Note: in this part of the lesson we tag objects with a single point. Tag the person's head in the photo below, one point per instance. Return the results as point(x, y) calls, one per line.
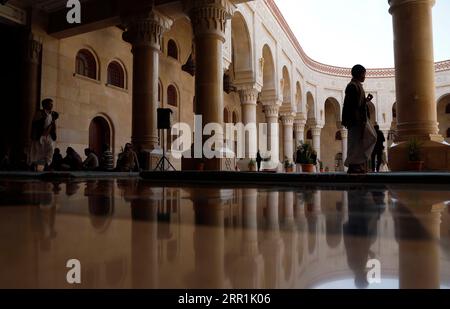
point(57, 151)
point(128, 147)
point(70, 151)
point(359, 73)
point(377, 127)
point(87, 151)
point(47, 105)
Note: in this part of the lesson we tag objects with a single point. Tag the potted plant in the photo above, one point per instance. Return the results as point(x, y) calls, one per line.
point(320, 166)
point(288, 166)
point(307, 157)
point(415, 162)
point(252, 166)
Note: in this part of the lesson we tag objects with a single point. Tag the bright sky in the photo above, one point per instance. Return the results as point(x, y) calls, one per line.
point(346, 32)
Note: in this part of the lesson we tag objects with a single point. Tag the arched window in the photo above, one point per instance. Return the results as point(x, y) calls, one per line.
point(172, 49)
point(309, 135)
point(448, 133)
point(447, 109)
point(338, 136)
point(116, 75)
point(86, 64)
point(394, 112)
point(172, 96)
point(235, 118)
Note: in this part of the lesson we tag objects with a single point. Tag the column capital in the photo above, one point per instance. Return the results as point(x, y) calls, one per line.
point(300, 119)
point(394, 4)
point(146, 29)
point(271, 110)
point(287, 119)
point(209, 17)
point(248, 95)
point(315, 131)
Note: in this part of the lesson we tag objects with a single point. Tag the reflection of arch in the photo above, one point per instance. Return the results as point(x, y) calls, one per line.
point(100, 133)
point(268, 72)
point(86, 64)
point(242, 46)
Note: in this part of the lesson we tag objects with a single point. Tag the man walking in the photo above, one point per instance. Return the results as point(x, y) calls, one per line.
point(378, 150)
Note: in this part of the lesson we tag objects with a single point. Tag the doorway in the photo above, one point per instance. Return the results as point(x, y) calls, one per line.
point(99, 135)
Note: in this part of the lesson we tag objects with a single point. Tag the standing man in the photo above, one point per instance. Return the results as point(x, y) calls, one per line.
point(378, 150)
point(43, 135)
point(355, 117)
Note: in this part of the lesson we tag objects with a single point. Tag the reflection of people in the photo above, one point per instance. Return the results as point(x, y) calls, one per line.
point(360, 231)
point(43, 134)
point(355, 117)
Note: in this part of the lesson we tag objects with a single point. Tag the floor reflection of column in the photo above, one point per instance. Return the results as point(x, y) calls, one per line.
point(418, 233)
point(301, 223)
point(249, 267)
point(289, 238)
point(313, 201)
point(272, 245)
point(209, 239)
point(144, 243)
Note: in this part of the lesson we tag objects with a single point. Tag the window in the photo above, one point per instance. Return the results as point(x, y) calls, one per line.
point(447, 109)
point(235, 118)
point(338, 136)
point(86, 64)
point(225, 116)
point(394, 112)
point(172, 49)
point(116, 75)
point(309, 135)
point(448, 133)
point(172, 96)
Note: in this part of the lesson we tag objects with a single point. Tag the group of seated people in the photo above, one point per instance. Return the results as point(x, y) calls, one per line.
point(127, 160)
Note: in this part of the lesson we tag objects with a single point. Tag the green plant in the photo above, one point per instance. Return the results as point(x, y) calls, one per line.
point(414, 154)
point(252, 163)
point(288, 163)
point(306, 154)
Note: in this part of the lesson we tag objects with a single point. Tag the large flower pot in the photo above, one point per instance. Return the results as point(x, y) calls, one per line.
point(415, 165)
point(289, 169)
point(308, 168)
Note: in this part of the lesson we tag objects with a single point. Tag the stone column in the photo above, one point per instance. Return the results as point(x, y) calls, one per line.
point(288, 127)
point(144, 33)
point(249, 97)
point(344, 135)
point(273, 135)
point(30, 95)
point(316, 140)
point(209, 18)
point(415, 84)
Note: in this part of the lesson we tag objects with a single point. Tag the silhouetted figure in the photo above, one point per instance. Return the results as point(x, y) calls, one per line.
point(72, 161)
point(258, 160)
point(43, 135)
point(355, 117)
point(57, 160)
point(377, 153)
point(91, 162)
point(128, 160)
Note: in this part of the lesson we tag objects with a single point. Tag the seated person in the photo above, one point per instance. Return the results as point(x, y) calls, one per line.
point(91, 162)
point(57, 160)
point(72, 161)
point(128, 160)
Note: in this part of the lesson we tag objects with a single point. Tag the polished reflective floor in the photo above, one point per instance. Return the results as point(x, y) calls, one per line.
point(135, 234)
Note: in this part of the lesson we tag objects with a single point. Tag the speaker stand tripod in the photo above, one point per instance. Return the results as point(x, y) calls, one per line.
point(161, 166)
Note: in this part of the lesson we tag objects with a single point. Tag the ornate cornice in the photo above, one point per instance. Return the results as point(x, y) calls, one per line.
point(146, 29)
point(209, 17)
point(335, 70)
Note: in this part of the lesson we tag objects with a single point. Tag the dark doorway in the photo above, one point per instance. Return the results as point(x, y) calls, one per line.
point(99, 134)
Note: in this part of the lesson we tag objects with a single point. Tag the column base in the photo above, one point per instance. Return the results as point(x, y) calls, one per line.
point(436, 156)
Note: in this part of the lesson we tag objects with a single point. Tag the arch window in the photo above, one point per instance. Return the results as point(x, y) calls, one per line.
point(309, 135)
point(172, 96)
point(86, 64)
point(116, 75)
point(172, 49)
point(447, 109)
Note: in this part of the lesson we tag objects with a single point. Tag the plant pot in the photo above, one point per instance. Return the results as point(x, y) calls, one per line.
point(308, 168)
point(415, 165)
point(252, 168)
point(289, 169)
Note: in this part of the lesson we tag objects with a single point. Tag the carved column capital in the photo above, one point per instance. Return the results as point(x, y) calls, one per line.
point(316, 131)
point(146, 29)
point(271, 111)
point(394, 4)
point(287, 119)
point(249, 96)
point(209, 17)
